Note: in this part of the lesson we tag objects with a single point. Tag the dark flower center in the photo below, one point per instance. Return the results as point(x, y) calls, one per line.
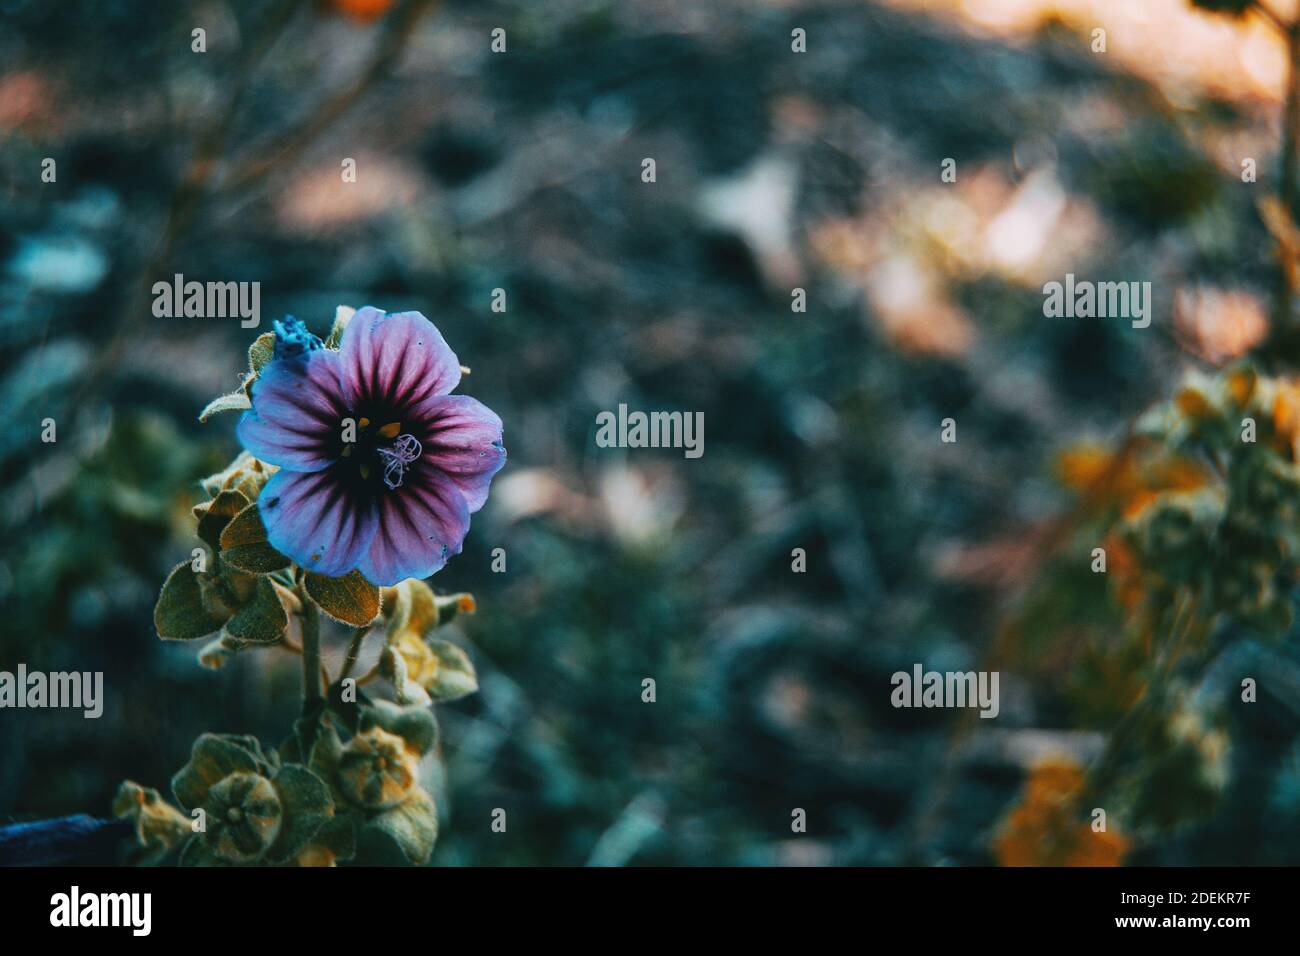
point(383, 454)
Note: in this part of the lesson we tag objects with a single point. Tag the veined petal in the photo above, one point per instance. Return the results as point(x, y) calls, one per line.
point(396, 360)
point(298, 404)
point(462, 437)
point(421, 525)
point(313, 518)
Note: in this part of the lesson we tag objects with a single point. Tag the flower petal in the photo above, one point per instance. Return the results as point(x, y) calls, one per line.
point(462, 437)
point(298, 404)
point(314, 518)
point(396, 360)
point(421, 525)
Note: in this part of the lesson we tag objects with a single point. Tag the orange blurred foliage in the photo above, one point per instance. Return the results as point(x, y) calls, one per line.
point(1286, 415)
point(366, 10)
point(1120, 479)
point(1044, 828)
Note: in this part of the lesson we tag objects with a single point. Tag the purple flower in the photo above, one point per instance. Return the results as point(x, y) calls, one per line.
point(395, 502)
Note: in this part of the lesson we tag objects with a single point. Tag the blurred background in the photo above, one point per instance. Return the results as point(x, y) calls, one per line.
point(522, 171)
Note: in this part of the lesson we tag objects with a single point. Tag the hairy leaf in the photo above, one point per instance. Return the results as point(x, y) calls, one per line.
point(180, 614)
point(244, 544)
point(263, 619)
point(350, 599)
point(234, 402)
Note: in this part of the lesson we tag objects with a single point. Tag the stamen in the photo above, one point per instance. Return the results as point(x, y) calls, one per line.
point(405, 450)
point(391, 429)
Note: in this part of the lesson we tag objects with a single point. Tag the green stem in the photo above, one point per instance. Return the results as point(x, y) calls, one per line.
point(1104, 768)
point(354, 651)
point(311, 662)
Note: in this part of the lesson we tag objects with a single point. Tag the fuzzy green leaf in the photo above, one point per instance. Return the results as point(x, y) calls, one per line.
point(396, 608)
point(216, 514)
point(213, 758)
point(261, 351)
point(403, 835)
point(244, 544)
point(307, 805)
point(393, 666)
point(416, 725)
point(455, 677)
point(326, 751)
point(234, 402)
point(180, 614)
point(263, 619)
point(338, 834)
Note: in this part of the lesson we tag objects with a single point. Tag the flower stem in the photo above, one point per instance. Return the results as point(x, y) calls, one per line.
point(311, 662)
point(354, 651)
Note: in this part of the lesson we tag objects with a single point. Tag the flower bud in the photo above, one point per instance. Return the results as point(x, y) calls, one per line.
point(376, 770)
point(243, 817)
point(158, 826)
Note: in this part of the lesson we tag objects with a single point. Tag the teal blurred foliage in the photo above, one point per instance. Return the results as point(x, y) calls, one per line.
point(522, 172)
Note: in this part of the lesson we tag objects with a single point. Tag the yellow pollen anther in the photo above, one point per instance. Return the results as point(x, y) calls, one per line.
point(391, 429)
point(364, 422)
point(365, 471)
point(347, 450)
